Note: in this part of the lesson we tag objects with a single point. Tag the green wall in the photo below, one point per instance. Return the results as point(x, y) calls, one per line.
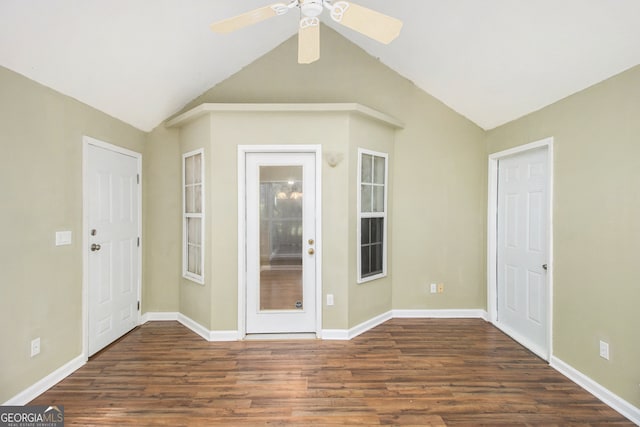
point(162, 223)
point(273, 128)
point(41, 188)
point(195, 298)
point(438, 209)
point(369, 299)
point(438, 185)
point(214, 304)
point(596, 225)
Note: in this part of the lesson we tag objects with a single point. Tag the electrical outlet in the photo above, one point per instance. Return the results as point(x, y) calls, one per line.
point(440, 288)
point(329, 299)
point(604, 350)
point(434, 288)
point(35, 347)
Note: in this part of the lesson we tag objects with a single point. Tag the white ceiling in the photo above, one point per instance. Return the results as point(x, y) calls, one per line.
point(490, 60)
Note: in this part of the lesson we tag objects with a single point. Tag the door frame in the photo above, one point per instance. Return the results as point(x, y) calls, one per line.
point(243, 150)
point(492, 235)
point(86, 142)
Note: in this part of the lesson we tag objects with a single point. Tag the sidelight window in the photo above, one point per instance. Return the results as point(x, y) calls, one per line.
point(372, 215)
point(193, 216)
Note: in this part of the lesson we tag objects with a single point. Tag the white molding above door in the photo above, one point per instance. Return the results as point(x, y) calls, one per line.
point(242, 225)
point(492, 244)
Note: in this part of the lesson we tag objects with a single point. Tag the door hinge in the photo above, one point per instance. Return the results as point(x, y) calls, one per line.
point(138, 178)
point(138, 305)
point(138, 242)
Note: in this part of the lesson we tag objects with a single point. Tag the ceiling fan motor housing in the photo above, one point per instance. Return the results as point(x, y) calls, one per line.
point(311, 8)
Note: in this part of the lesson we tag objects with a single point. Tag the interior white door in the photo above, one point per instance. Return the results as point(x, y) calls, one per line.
point(522, 292)
point(113, 267)
point(280, 240)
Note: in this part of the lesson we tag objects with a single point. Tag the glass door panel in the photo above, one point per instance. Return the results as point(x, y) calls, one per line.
point(281, 238)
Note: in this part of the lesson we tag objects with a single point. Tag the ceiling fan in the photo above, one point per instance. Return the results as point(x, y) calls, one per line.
point(371, 23)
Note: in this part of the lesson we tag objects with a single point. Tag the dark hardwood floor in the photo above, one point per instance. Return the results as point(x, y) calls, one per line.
point(422, 372)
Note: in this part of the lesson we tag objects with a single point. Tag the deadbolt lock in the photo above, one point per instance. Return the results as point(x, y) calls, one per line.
point(311, 241)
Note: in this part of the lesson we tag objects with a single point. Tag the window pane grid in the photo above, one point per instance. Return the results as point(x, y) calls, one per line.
point(367, 166)
point(372, 214)
point(193, 217)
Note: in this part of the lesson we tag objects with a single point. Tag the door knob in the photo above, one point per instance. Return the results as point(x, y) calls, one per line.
point(95, 247)
point(311, 251)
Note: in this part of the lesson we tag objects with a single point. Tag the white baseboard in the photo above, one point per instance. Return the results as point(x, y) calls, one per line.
point(219, 336)
point(206, 333)
point(347, 334)
point(335, 334)
point(326, 334)
point(162, 316)
point(370, 324)
point(614, 401)
point(441, 314)
point(192, 325)
point(46, 383)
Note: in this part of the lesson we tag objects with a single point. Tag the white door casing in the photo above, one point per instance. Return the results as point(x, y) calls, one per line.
point(112, 230)
point(302, 249)
point(521, 247)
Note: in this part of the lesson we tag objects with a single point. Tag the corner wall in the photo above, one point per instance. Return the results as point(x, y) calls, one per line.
point(370, 299)
point(162, 213)
point(596, 226)
point(438, 185)
point(41, 187)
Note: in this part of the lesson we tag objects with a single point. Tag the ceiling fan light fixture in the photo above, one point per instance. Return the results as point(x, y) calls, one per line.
point(311, 8)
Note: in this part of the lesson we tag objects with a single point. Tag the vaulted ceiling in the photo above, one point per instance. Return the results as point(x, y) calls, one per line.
point(490, 60)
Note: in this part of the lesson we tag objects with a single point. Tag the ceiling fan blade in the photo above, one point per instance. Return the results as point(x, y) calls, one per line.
point(373, 24)
point(309, 40)
point(249, 18)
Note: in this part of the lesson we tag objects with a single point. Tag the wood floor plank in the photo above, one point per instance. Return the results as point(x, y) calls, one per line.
point(409, 372)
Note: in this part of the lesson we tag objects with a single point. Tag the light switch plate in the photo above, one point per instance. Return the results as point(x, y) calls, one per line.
point(35, 347)
point(63, 238)
point(604, 350)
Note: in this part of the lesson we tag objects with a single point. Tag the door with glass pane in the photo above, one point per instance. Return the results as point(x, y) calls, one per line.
point(281, 261)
